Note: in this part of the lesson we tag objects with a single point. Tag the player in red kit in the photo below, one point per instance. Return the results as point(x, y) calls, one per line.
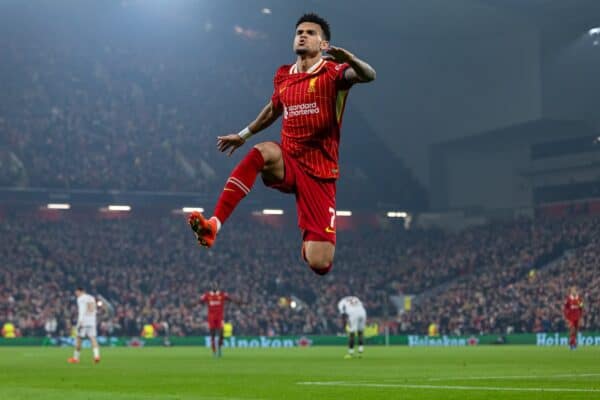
point(573, 311)
point(310, 95)
point(215, 300)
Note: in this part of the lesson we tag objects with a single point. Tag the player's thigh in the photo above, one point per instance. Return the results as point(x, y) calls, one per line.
point(574, 323)
point(319, 253)
point(82, 332)
point(215, 325)
point(352, 323)
point(90, 332)
point(315, 200)
point(361, 323)
point(274, 169)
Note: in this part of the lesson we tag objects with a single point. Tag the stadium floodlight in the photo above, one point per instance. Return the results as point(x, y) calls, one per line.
point(266, 11)
point(58, 206)
point(341, 213)
point(192, 209)
point(293, 304)
point(114, 207)
point(272, 211)
point(594, 31)
point(397, 214)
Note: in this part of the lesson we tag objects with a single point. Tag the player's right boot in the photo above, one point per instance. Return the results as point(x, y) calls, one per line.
point(205, 229)
point(348, 356)
point(73, 360)
point(96, 360)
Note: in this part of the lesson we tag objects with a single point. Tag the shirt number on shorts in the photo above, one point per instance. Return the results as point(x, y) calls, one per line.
point(332, 221)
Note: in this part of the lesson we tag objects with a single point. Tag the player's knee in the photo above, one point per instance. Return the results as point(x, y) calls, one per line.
point(321, 266)
point(270, 151)
point(322, 271)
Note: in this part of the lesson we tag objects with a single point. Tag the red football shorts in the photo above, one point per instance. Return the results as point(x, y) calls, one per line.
point(315, 201)
point(215, 323)
point(573, 323)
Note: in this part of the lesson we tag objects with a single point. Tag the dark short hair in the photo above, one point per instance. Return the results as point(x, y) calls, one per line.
point(79, 288)
point(316, 19)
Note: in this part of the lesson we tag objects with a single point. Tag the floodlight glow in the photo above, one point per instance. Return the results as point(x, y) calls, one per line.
point(594, 31)
point(266, 11)
point(58, 206)
point(113, 207)
point(343, 213)
point(293, 304)
point(397, 214)
point(270, 211)
point(192, 209)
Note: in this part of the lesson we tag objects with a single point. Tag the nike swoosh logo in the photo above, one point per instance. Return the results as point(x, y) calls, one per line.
point(229, 190)
point(329, 230)
point(282, 89)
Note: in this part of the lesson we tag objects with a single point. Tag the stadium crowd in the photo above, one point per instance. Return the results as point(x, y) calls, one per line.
point(496, 278)
point(109, 119)
point(511, 293)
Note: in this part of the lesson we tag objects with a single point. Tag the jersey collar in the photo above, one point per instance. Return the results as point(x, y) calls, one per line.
point(311, 70)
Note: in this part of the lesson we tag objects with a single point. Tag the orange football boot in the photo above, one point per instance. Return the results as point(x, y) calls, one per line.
point(205, 229)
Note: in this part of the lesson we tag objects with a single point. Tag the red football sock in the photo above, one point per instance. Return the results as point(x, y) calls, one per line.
point(212, 344)
point(239, 184)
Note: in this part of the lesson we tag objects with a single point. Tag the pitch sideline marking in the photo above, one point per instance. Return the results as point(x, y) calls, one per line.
point(479, 378)
point(446, 387)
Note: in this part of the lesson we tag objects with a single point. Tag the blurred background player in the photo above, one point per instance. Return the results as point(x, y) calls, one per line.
point(215, 300)
point(86, 325)
point(354, 314)
point(573, 311)
point(311, 95)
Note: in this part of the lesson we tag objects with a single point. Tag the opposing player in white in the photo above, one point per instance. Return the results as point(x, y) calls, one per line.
point(86, 325)
point(354, 314)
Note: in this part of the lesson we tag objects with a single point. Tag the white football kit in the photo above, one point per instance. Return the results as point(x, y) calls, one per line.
point(86, 320)
point(354, 309)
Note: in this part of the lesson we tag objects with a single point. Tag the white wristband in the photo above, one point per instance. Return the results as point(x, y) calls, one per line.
point(245, 133)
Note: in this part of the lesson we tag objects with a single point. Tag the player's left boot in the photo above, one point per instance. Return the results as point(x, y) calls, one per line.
point(348, 357)
point(73, 360)
point(96, 360)
point(205, 229)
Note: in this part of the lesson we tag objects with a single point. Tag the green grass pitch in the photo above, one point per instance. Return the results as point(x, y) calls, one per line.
point(517, 372)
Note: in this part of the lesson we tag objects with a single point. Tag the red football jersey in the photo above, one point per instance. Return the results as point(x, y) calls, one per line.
point(313, 105)
point(573, 308)
point(216, 303)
